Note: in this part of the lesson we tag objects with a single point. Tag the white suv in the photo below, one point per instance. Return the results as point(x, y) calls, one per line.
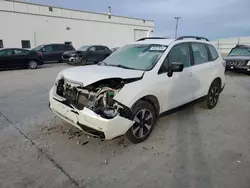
point(126, 92)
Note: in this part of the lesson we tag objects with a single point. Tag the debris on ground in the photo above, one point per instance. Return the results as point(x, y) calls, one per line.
point(145, 148)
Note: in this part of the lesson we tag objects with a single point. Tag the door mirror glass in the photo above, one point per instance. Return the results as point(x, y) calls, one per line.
point(175, 67)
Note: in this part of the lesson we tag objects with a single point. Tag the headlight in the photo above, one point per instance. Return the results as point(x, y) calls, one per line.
point(59, 76)
point(248, 63)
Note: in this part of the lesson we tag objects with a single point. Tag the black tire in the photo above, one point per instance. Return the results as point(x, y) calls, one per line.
point(32, 64)
point(144, 124)
point(213, 95)
point(83, 61)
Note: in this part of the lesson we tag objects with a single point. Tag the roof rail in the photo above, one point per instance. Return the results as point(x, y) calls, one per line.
point(192, 37)
point(145, 38)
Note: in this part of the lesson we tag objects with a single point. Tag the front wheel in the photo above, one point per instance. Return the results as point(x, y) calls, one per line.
point(33, 64)
point(212, 97)
point(83, 61)
point(144, 117)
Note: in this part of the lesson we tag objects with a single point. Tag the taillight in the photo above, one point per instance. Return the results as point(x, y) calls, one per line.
point(39, 54)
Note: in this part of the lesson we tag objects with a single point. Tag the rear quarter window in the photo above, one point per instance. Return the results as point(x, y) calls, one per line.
point(213, 52)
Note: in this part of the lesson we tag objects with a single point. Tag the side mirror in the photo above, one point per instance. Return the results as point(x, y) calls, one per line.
point(175, 67)
point(43, 49)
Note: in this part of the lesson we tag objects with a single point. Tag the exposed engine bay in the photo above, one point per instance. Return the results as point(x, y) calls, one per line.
point(97, 97)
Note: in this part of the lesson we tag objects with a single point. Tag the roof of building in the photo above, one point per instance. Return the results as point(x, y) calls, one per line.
point(31, 3)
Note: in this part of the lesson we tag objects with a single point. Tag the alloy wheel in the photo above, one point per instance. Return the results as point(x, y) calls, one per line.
point(143, 123)
point(213, 96)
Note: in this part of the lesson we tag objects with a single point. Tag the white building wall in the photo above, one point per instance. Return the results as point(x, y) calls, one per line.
point(225, 45)
point(24, 21)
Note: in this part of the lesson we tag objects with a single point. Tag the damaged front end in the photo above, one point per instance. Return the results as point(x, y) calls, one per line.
point(97, 97)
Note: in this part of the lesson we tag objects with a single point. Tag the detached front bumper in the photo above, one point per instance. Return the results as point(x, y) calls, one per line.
point(88, 121)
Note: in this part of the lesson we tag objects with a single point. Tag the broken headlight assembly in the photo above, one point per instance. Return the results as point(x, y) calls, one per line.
point(97, 97)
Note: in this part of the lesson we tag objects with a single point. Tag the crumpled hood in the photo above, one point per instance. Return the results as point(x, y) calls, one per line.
point(87, 75)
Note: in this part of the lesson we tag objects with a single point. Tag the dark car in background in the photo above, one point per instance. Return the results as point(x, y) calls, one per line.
point(239, 58)
point(53, 52)
point(19, 58)
point(86, 54)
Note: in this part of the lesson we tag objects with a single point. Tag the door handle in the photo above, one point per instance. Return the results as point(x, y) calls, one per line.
point(190, 74)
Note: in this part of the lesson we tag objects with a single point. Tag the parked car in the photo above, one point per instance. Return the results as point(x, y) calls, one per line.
point(19, 58)
point(86, 54)
point(53, 52)
point(127, 92)
point(239, 58)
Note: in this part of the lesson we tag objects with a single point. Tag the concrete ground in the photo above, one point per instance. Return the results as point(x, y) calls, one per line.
point(191, 148)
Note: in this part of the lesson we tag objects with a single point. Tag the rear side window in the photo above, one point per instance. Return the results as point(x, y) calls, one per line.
point(21, 52)
point(213, 52)
point(6, 53)
point(200, 53)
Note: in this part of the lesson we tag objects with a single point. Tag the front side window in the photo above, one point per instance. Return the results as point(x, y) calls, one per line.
point(92, 49)
point(21, 52)
point(240, 52)
point(136, 56)
point(213, 52)
point(200, 53)
point(178, 54)
point(47, 49)
point(6, 53)
point(38, 48)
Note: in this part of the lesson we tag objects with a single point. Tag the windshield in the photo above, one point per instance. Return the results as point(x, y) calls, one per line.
point(136, 56)
point(38, 48)
point(83, 48)
point(240, 52)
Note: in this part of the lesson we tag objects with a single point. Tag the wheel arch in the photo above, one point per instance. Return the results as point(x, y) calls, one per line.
point(151, 99)
point(218, 79)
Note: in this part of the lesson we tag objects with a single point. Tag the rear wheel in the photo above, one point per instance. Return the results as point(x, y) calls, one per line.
point(144, 117)
point(33, 64)
point(212, 97)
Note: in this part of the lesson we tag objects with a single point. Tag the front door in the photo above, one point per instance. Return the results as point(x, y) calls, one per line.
point(47, 52)
point(93, 54)
point(178, 89)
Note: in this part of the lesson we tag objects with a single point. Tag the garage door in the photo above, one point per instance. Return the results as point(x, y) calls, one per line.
point(140, 34)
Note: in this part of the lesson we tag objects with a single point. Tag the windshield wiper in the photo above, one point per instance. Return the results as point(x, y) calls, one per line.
point(121, 66)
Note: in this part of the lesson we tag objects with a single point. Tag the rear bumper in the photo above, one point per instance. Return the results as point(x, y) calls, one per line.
point(88, 121)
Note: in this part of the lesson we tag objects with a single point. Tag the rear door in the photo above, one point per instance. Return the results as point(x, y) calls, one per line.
point(101, 53)
point(6, 60)
point(21, 57)
point(202, 69)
